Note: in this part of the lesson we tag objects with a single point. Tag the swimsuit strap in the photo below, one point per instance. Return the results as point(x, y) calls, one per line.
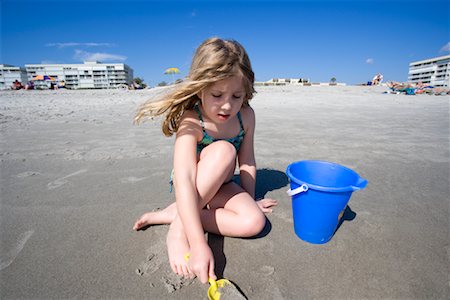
point(240, 120)
point(200, 117)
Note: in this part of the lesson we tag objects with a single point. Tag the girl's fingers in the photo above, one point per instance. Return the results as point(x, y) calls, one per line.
point(212, 275)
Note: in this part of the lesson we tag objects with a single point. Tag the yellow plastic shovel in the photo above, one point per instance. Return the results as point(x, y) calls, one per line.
point(215, 285)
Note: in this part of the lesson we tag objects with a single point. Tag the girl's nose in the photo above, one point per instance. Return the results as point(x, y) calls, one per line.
point(226, 105)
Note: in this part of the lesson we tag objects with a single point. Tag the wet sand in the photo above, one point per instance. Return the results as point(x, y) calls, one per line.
point(76, 173)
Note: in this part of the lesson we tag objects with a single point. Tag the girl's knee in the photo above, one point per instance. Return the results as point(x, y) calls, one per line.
point(253, 224)
point(224, 151)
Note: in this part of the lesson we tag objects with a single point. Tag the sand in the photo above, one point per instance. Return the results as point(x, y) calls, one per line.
point(76, 173)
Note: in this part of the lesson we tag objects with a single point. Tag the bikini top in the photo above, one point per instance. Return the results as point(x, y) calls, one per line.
point(208, 140)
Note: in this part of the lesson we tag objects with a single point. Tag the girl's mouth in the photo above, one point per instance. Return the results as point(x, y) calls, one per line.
point(223, 117)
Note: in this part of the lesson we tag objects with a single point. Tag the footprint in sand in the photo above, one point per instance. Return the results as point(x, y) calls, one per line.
point(174, 282)
point(132, 179)
point(63, 180)
point(158, 262)
point(266, 270)
point(27, 174)
point(7, 257)
point(150, 265)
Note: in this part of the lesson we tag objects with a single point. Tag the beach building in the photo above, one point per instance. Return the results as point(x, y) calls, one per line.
point(284, 81)
point(296, 81)
point(9, 74)
point(89, 75)
point(433, 71)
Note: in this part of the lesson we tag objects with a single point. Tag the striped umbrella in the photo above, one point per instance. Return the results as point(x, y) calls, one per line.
point(172, 71)
point(43, 78)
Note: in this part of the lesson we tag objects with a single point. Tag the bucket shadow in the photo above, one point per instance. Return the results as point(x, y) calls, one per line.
point(349, 215)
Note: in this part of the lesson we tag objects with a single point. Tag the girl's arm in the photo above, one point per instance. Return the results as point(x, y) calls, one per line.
point(247, 164)
point(201, 260)
point(246, 155)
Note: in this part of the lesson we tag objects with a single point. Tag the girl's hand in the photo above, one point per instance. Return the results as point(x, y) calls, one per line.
point(201, 262)
point(266, 205)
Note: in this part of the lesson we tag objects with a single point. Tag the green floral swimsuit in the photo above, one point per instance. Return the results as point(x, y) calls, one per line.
point(208, 140)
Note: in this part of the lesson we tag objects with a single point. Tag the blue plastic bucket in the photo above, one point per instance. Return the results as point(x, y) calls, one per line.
point(320, 192)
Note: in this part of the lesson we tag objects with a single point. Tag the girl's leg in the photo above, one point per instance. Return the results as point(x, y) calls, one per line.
point(233, 212)
point(168, 214)
point(216, 166)
point(165, 216)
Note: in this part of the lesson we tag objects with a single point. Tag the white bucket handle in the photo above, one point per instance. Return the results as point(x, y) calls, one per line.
point(301, 189)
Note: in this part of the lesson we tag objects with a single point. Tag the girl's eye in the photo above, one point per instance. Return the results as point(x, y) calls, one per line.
point(216, 96)
point(236, 97)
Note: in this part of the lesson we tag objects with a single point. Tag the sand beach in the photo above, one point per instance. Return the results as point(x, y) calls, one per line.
point(76, 174)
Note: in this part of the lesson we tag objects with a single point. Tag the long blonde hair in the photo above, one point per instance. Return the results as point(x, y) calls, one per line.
point(215, 59)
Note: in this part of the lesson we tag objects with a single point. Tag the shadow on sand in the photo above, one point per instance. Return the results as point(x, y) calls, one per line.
point(266, 180)
point(349, 215)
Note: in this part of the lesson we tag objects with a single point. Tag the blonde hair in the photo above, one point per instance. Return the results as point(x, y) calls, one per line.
point(214, 60)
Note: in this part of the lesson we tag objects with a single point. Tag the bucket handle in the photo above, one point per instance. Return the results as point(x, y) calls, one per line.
point(360, 184)
point(301, 189)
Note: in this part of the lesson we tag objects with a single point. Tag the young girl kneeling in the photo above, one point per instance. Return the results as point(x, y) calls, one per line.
point(214, 125)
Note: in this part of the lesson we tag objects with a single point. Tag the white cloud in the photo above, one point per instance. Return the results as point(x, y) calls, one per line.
point(445, 48)
point(72, 44)
point(370, 61)
point(98, 56)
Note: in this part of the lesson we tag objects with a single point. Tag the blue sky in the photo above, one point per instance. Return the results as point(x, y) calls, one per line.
point(348, 40)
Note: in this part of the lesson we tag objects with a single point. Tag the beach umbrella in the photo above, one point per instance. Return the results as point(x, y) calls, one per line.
point(172, 71)
point(43, 78)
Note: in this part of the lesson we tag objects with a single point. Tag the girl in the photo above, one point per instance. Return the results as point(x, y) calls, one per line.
point(214, 125)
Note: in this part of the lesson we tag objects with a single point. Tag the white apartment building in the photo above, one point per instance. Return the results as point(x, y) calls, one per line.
point(433, 71)
point(9, 74)
point(90, 75)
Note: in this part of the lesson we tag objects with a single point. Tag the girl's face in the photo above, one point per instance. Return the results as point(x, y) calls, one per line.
point(222, 100)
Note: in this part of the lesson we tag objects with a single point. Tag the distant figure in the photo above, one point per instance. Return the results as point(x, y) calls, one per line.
point(136, 86)
point(62, 84)
point(29, 85)
point(17, 85)
point(377, 79)
point(214, 125)
point(415, 89)
point(380, 78)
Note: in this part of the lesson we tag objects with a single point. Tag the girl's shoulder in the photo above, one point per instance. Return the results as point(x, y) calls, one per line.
point(247, 111)
point(248, 117)
point(189, 123)
point(190, 114)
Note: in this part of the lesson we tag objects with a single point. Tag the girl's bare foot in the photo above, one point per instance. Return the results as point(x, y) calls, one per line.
point(165, 216)
point(177, 248)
